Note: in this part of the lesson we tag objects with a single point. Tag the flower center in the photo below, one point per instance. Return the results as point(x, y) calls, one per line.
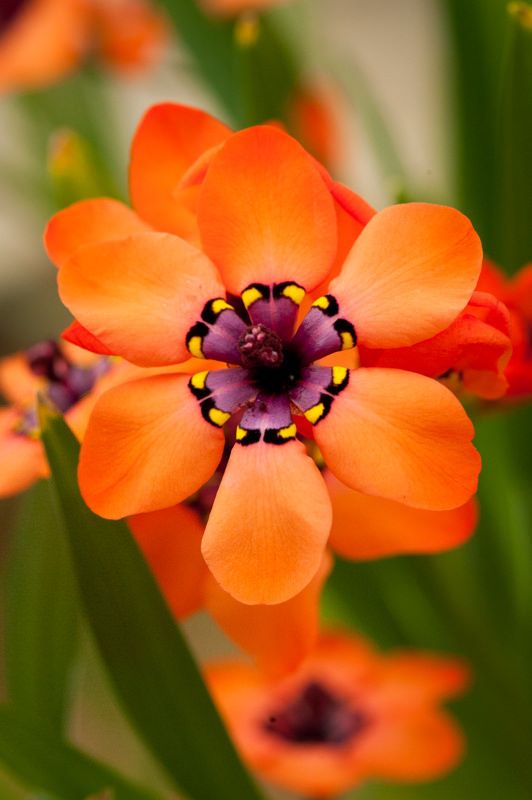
point(65, 383)
point(260, 347)
point(317, 716)
point(9, 9)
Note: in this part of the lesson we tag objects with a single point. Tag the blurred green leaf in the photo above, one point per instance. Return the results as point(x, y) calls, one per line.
point(149, 663)
point(45, 763)
point(253, 76)
point(513, 191)
point(74, 170)
point(477, 42)
point(41, 614)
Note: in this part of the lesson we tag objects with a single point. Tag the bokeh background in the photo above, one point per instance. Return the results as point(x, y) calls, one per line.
point(431, 99)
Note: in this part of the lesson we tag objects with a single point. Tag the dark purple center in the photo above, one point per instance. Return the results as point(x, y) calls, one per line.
point(261, 347)
point(317, 716)
point(9, 10)
point(66, 383)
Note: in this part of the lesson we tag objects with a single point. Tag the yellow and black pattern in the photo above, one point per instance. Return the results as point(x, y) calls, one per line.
point(201, 391)
point(247, 436)
point(338, 382)
point(198, 332)
point(345, 330)
point(261, 291)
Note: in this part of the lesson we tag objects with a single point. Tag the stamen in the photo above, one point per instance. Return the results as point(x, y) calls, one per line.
point(260, 347)
point(317, 716)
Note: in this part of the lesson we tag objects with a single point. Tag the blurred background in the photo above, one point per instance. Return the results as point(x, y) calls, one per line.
point(419, 99)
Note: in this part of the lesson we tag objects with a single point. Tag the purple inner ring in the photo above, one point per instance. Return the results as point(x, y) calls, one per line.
point(317, 716)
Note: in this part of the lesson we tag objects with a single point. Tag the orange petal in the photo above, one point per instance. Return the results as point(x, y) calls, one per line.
point(277, 636)
point(129, 34)
point(46, 40)
point(414, 747)
point(265, 214)
point(412, 677)
point(270, 521)
point(169, 139)
point(88, 222)
point(18, 384)
point(78, 335)
point(402, 436)
point(411, 271)
point(22, 460)
point(366, 527)
point(147, 447)
point(140, 295)
point(171, 542)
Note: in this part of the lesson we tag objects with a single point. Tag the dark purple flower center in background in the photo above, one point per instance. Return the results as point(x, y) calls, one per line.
point(9, 10)
point(317, 716)
point(66, 383)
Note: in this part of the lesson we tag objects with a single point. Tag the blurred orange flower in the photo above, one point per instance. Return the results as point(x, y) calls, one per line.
point(516, 293)
point(267, 219)
point(43, 40)
point(346, 716)
point(70, 379)
point(474, 350)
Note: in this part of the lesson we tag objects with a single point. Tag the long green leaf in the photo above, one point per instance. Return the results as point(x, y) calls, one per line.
point(149, 663)
point(43, 762)
point(514, 144)
point(41, 614)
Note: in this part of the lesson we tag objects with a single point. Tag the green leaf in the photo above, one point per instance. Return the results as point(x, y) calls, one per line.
point(44, 762)
point(149, 663)
point(41, 614)
point(253, 82)
point(514, 144)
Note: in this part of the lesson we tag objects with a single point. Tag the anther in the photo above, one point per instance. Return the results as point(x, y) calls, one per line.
point(260, 347)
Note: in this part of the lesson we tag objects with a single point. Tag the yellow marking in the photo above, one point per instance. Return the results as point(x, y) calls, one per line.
point(194, 346)
point(220, 305)
point(321, 302)
point(240, 433)
point(199, 379)
point(247, 30)
point(287, 433)
point(339, 375)
point(315, 413)
point(250, 296)
point(294, 293)
point(218, 417)
point(347, 340)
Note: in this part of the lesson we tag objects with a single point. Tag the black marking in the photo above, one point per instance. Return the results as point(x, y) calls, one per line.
point(336, 388)
point(272, 436)
point(200, 394)
point(252, 436)
point(263, 288)
point(332, 309)
point(279, 288)
point(198, 329)
point(208, 313)
point(344, 326)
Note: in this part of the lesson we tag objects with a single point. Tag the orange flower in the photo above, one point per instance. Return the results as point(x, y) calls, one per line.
point(346, 716)
point(366, 527)
point(267, 218)
point(313, 119)
point(43, 40)
point(280, 636)
point(474, 349)
point(516, 293)
point(277, 636)
point(70, 379)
